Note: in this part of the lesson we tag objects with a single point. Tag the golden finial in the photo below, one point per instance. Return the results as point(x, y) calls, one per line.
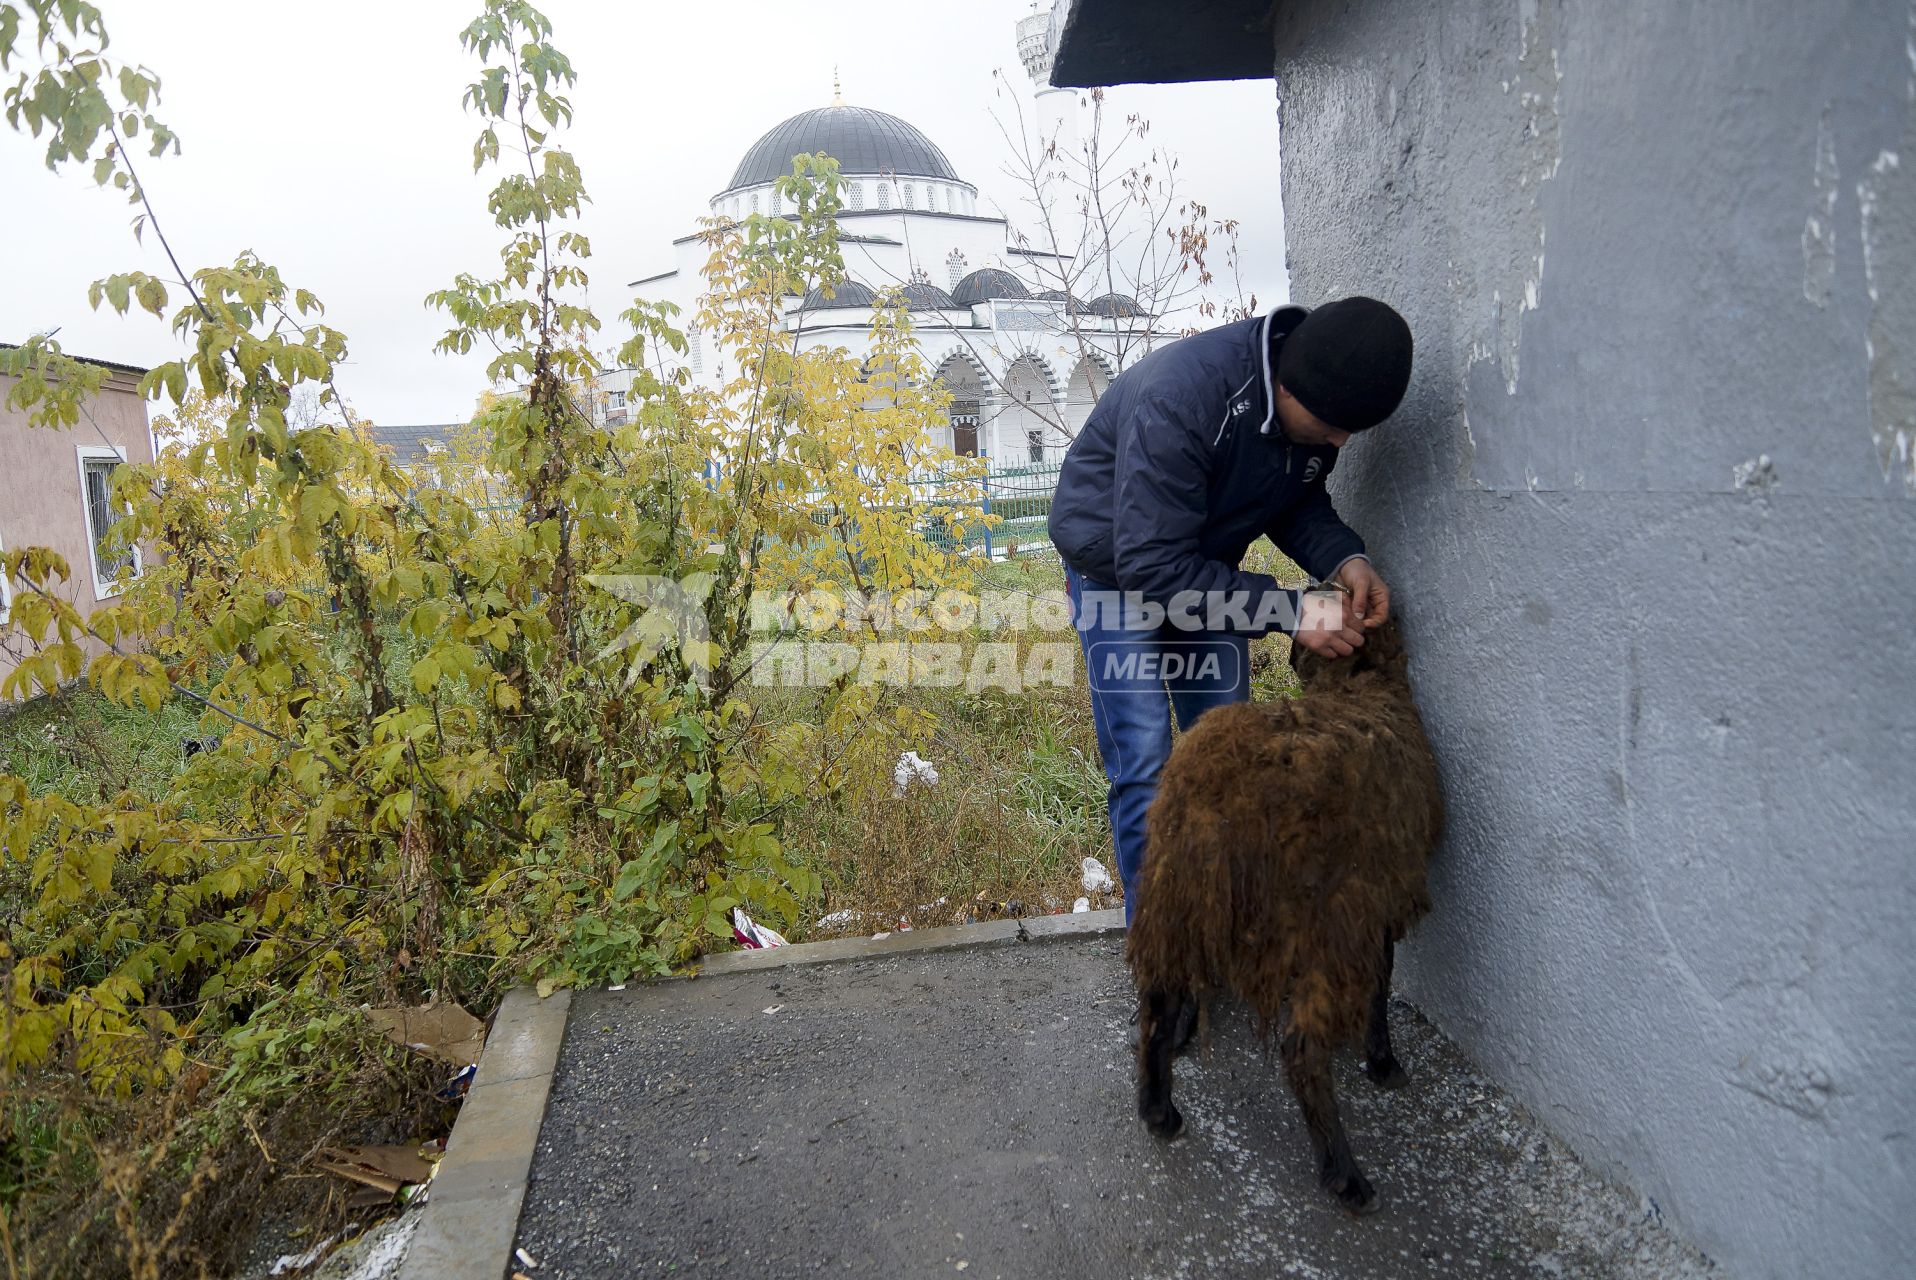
point(838, 94)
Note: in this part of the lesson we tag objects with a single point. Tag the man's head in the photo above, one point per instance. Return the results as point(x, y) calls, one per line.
point(1343, 369)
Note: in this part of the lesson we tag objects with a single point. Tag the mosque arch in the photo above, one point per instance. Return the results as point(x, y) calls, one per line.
point(1089, 378)
point(966, 381)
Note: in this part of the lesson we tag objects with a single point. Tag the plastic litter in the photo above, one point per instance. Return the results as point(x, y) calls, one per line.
point(752, 935)
point(1096, 879)
point(461, 1081)
point(1081, 905)
point(912, 767)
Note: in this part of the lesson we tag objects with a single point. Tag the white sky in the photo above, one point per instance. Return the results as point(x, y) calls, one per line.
point(334, 145)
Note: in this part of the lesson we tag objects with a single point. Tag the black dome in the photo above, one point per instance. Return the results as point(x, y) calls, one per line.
point(1115, 305)
point(847, 293)
point(922, 295)
point(860, 139)
point(988, 282)
point(1071, 303)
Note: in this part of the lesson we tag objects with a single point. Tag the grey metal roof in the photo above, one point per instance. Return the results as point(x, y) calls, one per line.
point(1100, 42)
point(1116, 305)
point(860, 139)
point(113, 365)
point(922, 295)
point(408, 441)
point(847, 293)
point(988, 282)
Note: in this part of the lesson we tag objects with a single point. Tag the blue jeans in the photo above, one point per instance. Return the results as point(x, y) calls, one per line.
point(1139, 676)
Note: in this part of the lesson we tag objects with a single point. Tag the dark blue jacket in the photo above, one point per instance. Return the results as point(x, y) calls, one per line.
point(1183, 464)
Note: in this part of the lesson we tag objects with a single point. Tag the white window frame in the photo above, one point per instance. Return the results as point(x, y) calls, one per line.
point(102, 590)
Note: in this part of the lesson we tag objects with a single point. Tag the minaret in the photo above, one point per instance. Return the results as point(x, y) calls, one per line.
point(1056, 116)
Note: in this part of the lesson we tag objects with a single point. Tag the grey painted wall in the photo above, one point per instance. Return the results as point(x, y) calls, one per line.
point(1650, 514)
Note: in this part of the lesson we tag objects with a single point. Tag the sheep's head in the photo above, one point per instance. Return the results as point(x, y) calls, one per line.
point(1382, 652)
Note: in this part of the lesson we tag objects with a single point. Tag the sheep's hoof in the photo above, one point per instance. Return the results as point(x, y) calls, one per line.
point(1353, 1191)
point(1387, 1073)
point(1167, 1122)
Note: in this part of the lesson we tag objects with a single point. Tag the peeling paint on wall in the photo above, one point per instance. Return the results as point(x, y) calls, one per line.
point(1534, 89)
point(1819, 229)
point(1889, 273)
point(1758, 475)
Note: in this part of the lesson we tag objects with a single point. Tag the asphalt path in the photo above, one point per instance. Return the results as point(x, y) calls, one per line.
point(972, 1112)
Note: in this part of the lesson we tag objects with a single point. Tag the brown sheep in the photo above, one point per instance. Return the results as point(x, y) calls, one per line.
point(1286, 854)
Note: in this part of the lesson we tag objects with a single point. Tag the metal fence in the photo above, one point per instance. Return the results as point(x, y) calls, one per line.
point(1021, 499)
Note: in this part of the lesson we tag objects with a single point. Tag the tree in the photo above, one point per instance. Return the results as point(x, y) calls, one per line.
point(450, 734)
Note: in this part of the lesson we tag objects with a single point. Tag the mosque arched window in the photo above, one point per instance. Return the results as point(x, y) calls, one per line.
point(931, 198)
point(884, 195)
point(755, 202)
point(858, 195)
point(908, 200)
point(778, 203)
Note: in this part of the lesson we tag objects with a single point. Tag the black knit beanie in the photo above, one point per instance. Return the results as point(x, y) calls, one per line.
point(1348, 362)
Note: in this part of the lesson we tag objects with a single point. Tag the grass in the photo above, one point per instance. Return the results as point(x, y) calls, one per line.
point(82, 746)
point(1019, 804)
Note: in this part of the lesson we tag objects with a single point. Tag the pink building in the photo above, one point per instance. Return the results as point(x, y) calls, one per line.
point(53, 493)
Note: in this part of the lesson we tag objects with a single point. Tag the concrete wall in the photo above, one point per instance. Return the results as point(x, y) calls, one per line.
point(1650, 512)
point(40, 496)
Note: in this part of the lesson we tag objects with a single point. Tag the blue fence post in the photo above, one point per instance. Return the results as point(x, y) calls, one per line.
point(984, 485)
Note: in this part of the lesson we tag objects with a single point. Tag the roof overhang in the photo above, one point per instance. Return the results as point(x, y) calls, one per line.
point(1100, 42)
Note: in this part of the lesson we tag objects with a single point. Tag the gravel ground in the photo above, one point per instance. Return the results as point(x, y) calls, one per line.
point(973, 1112)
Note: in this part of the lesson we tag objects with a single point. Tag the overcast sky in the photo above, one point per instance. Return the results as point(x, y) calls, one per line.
point(330, 140)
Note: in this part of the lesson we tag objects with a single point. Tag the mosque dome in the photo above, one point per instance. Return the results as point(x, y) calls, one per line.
point(988, 282)
point(847, 293)
point(860, 139)
point(922, 295)
point(1116, 305)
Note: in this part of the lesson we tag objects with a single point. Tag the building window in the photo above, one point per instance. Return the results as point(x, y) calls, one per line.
point(858, 195)
point(908, 199)
point(931, 199)
point(884, 195)
point(696, 349)
point(955, 267)
point(1034, 441)
point(113, 565)
point(778, 203)
point(755, 202)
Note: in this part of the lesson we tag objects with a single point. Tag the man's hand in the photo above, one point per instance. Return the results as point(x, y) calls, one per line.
point(1326, 625)
point(1370, 598)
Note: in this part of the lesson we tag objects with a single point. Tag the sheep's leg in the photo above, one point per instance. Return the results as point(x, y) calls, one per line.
point(1380, 1064)
point(1158, 1015)
point(1307, 1065)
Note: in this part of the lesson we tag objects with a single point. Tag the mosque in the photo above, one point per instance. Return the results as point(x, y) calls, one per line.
point(1023, 361)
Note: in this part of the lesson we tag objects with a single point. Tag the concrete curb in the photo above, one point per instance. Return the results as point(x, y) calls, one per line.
point(990, 933)
point(471, 1215)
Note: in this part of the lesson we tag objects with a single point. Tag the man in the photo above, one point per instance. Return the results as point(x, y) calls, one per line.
point(1191, 454)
